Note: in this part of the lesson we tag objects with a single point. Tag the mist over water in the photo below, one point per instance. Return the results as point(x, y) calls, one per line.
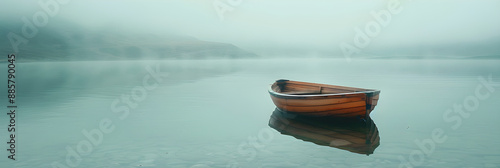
point(395, 29)
point(201, 115)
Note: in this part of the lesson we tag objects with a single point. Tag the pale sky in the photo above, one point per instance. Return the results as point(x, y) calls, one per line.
point(262, 25)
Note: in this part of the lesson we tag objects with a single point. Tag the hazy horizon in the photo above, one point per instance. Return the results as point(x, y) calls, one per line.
point(423, 28)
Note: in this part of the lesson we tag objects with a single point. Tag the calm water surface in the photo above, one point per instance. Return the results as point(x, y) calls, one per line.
point(216, 114)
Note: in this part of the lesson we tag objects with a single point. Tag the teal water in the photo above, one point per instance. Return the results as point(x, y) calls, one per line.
point(215, 113)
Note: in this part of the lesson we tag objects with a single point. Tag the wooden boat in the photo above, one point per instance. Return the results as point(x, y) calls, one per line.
point(323, 100)
point(356, 136)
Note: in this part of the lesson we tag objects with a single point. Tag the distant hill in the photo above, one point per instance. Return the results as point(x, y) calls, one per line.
point(66, 41)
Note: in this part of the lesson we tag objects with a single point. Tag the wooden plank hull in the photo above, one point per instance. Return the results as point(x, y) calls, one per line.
point(323, 100)
point(357, 136)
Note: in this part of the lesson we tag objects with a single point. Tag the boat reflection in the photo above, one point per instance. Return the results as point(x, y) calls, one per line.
point(358, 136)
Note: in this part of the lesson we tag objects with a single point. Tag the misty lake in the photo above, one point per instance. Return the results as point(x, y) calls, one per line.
point(216, 113)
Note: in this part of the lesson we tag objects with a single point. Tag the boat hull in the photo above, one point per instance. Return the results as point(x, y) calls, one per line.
point(323, 100)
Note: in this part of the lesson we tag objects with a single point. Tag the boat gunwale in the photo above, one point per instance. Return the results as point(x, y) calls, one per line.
point(373, 92)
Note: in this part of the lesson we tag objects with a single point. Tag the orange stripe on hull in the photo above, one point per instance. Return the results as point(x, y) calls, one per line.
point(324, 107)
point(348, 112)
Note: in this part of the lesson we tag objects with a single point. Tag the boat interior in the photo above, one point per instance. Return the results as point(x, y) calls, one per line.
point(304, 88)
